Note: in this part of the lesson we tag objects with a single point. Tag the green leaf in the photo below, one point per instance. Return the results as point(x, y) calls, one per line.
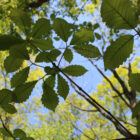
point(136, 110)
point(57, 38)
point(138, 126)
point(51, 71)
point(96, 26)
point(4, 132)
point(20, 77)
point(63, 87)
point(88, 51)
point(54, 54)
point(75, 70)
point(134, 81)
point(98, 36)
point(42, 57)
point(12, 64)
point(22, 19)
point(42, 27)
point(68, 55)
point(18, 133)
point(48, 56)
point(50, 81)
point(23, 91)
point(82, 36)
point(19, 51)
point(5, 96)
point(49, 98)
point(119, 14)
point(62, 28)
point(118, 52)
point(7, 41)
point(43, 44)
point(9, 108)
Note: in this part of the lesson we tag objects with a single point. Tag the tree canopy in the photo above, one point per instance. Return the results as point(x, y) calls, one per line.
point(40, 43)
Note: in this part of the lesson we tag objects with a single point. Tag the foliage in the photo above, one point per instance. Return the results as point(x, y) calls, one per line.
point(32, 43)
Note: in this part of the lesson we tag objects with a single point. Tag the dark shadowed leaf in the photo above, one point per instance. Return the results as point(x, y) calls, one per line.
point(19, 133)
point(68, 55)
point(19, 51)
point(136, 110)
point(5, 96)
point(75, 70)
point(49, 98)
point(7, 41)
point(63, 87)
point(12, 64)
point(134, 81)
point(9, 108)
point(42, 27)
point(20, 77)
point(23, 91)
point(43, 44)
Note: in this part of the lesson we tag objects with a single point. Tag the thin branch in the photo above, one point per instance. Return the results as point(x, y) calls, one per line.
point(7, 129)
point(99, 107)
point(126, 122)
point(124, 87)
point(106, 114)
point(83, 109)
point(82, 132)
point(107, 79)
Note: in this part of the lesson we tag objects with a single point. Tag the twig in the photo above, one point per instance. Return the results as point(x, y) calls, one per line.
point(119, 94)
point(7, 129)
point(83, 109)
point(82, 132)
point(124, 87)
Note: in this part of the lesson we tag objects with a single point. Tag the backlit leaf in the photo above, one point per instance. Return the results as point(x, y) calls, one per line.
point(118, 52)
point(20, 77)
point(75, 70)
point(88, 51)
point(62, 28)
point(42, 27)
point(63, 87)
point(23, 91)
point(119, 14)
point(134, 81)
point(12, 64)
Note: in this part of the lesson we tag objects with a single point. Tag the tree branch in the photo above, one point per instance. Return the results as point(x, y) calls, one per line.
point(107, 79)
point(6, 129)
point(124, 87)
point(83, 109)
